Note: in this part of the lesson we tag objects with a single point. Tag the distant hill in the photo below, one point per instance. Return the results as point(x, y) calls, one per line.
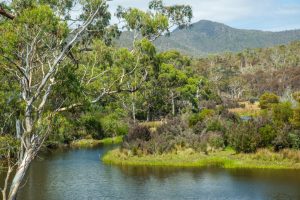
point(207, 37)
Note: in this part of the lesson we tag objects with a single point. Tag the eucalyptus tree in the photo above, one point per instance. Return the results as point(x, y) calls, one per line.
point(47, 52)
point(146, 27)
point(36, 42)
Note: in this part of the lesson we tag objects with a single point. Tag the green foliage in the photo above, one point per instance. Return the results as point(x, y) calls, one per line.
point(282, 140)
point(296, 118)
point(198, 117)
point(93, 126)
point(267, 100)
point(282, 112)
point(157, 21)
point(243, 137)
point(215, 125)
point(113, 125)
point(64, 130)
point(296, 96)
point(9, 146)
point(268, 134)
point(216, 140)
point(294, 139)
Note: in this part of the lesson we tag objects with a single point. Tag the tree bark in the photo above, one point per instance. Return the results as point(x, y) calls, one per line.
point(148, 115)
point(6, 14)
point(133, 112)
point(20, 173)
point(173, 103)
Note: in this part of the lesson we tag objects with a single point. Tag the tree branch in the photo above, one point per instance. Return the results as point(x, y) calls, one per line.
point(6, 14)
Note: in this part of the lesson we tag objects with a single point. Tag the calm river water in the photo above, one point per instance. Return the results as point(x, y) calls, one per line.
point(80, 175)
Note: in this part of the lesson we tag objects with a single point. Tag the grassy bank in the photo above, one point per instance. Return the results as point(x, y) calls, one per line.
point(263, 159)
point(86, 143)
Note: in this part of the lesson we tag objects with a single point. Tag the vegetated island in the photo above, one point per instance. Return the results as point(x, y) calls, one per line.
point(228, 159)
point(87, 143)
point(220, 138)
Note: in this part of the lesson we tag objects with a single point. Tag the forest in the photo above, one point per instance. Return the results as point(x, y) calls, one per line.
point(64, 83)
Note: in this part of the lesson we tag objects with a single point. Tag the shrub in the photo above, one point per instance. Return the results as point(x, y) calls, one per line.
point(199, 128)
point(113, 125)
point(93, 126)
point(243, 137)
point(195, 118)
point(267, 100)
point(215, 125)
point(216, 140)
point(281, 141)
point(296, 118)
point(282, 112)
point(228, 103)
point(294, 140)
point(64, 130)
point(230, 116)
point(253, 100)
point(267, 134)
point(142, 133)
point(172, 127)
point(296, 96)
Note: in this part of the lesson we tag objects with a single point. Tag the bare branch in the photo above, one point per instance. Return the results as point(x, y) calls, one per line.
point(6, 14)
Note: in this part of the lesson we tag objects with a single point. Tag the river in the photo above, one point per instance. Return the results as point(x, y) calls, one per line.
point(80, 175)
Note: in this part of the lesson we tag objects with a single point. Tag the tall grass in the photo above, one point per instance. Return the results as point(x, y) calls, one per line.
point(262, 159)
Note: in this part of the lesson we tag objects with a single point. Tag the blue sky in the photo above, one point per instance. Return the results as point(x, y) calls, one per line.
point(272, 15)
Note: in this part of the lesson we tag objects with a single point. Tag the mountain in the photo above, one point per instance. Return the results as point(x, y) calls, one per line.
point(207, 37)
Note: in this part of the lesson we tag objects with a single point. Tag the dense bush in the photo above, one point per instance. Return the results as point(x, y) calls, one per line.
point(228, 103)
point(92, 126)
point(296, 118)
point(296, 96)
point(113, 125)
point(253, 100)
point(267, 100)
point(244, 137)
point(198, 117)
point(215, 140)
point(282, 140)
point(294, 139)
point(215, 125)
point(211, 130)
point(268, 134)
point(142, 133)
point(64, 129)
point(282, 112)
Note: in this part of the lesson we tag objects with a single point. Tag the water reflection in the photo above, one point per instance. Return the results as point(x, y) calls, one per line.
point(78, 174)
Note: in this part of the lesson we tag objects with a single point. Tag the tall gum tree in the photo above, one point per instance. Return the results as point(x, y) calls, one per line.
point(35, 44)
point(38, 42)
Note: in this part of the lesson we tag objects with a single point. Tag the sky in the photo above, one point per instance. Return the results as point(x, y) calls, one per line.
point(268, 15)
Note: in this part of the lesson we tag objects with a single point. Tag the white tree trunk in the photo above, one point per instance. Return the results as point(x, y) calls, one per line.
point(20, 173)
point(173, 103)
point(133, 112)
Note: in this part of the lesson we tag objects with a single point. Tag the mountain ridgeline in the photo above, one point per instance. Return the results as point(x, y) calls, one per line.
point(207, 37)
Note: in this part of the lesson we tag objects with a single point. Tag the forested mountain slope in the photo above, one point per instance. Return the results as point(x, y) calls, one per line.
point(207, 37)
point(254, 71)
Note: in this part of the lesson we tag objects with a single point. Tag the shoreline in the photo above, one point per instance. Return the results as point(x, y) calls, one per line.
point(228, 159)
point(89, 143)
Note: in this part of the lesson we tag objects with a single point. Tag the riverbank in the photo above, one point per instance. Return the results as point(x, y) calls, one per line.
point(262, 159)
point(87, 143)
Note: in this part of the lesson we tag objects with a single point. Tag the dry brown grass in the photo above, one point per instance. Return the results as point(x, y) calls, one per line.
point(153, 125)
point(248, 110)
point(291, 154)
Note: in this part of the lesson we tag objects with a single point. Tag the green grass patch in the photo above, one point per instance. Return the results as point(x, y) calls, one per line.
point(88, 143)
point(263, 159)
